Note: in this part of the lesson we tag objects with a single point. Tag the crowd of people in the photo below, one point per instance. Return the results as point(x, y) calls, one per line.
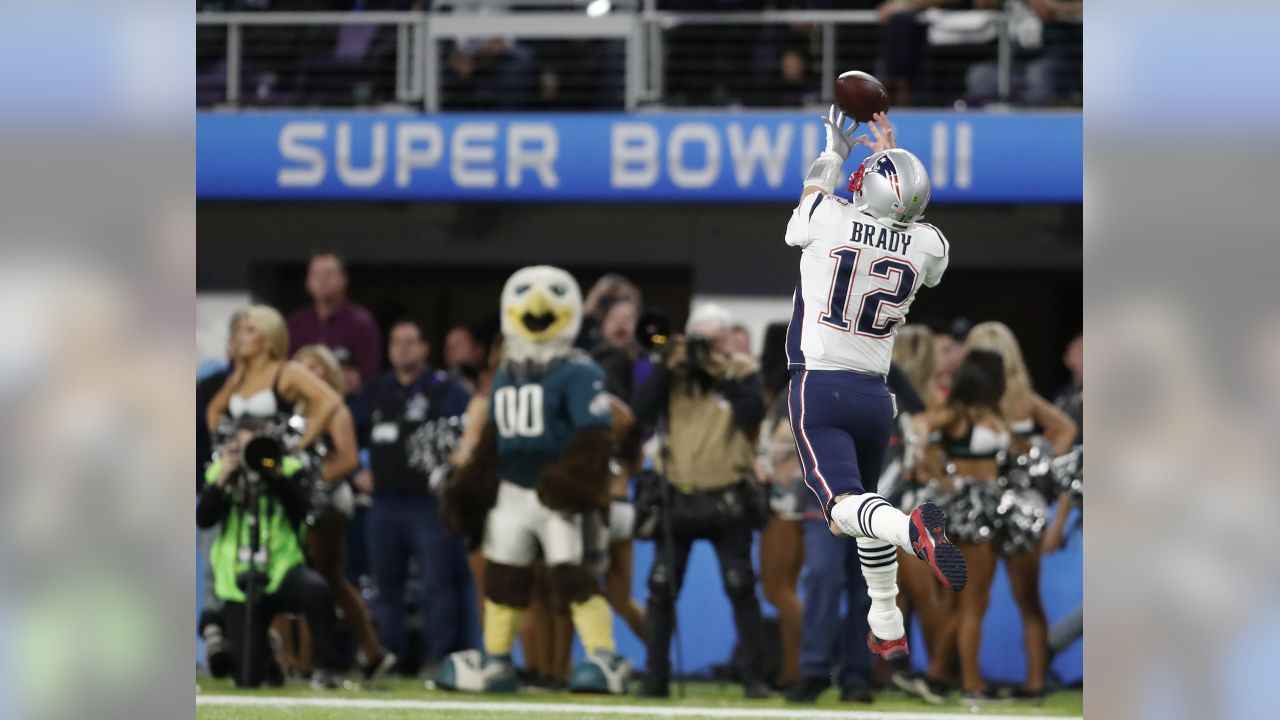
point(357, 571)
point(927, 54)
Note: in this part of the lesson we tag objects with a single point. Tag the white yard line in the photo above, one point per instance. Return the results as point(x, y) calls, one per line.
point(563, 708)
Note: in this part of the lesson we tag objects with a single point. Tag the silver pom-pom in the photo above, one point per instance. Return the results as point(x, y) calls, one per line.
point(1032, 470)
point(431, 445)
point(1020, 519)
point(1068, 474)
point(971, 509)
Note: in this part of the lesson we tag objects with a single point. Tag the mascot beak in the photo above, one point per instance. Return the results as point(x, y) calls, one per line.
point(538, 318)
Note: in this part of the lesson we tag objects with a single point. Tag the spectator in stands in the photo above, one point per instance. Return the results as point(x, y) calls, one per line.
point(618, 350)
point(713, 402)
point(608, 290)
point(581, 74)
point(404, 521)
point(1070, 399)
point(1055, 75)
point(350, 371)
point(464, 355)
point(740, 339)
point(488, 74)
point(904, 45)
point(783, 64)
point(333, 320)
point(705, 62)
point(1047, 42)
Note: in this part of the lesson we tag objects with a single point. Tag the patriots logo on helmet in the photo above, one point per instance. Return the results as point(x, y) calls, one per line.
point(885, 167)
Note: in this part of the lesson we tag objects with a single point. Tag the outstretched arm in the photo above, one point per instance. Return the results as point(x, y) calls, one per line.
point(825, 172)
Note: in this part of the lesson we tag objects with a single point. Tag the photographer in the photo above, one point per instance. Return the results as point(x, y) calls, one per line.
point(253, 492)
point(712, 401)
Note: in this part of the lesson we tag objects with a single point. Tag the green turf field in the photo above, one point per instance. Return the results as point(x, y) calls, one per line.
point(403, 699)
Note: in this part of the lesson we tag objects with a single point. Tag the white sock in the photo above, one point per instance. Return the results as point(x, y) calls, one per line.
point(879, 561)
point(871, 516)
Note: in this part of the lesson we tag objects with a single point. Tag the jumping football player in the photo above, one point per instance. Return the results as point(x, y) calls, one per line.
point(860, 267)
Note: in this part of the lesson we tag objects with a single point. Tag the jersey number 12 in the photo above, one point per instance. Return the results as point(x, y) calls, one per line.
point(518, 411)
point(868, 309)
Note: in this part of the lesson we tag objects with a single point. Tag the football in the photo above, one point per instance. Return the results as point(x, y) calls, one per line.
point(860, 95)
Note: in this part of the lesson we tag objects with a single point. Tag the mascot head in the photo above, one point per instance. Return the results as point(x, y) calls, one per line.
point(541, 314)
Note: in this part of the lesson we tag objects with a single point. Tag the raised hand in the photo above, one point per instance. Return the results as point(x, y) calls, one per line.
point(882, 129)
point(839, 137)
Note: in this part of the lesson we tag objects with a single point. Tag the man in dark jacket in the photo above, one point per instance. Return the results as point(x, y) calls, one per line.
point(413, 412)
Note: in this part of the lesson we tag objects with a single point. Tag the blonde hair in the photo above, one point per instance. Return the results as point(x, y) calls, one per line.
point(997, 336)
point(332, 368)
point(913, 351)
point(271, 324)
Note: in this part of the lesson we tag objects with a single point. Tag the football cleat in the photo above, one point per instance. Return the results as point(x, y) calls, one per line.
point(478, 672)
point(601, 672)
point(929, 541)
point(890, 650)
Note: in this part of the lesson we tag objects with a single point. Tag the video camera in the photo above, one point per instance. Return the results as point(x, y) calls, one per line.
point(654, 334)
point(262, 455)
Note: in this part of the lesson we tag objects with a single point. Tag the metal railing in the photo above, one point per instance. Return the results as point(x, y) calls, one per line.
point(419, 39)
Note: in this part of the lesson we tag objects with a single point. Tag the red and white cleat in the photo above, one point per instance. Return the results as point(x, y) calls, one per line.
point(930, 543)
point(890, 650)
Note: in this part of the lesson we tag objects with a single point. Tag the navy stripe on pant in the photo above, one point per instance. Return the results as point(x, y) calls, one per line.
point(842, 422)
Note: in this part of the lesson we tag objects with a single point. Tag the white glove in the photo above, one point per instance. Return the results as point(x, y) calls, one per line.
point(826, 170)
point(839, 138)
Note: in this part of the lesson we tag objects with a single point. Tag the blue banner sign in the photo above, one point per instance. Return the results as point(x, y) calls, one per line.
point(672, 156)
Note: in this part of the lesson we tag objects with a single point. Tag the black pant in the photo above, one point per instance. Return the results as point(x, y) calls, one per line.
point(301, 591)
point(732, 543)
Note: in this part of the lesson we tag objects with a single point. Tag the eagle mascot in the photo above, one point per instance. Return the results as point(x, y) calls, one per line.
point(535, 485)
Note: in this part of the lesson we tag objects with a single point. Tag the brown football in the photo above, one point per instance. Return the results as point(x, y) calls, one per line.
point(860, 95)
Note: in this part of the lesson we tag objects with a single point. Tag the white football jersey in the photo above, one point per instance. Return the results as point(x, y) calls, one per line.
point(857, 280)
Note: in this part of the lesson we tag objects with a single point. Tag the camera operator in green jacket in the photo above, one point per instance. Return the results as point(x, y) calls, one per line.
point(251, 465)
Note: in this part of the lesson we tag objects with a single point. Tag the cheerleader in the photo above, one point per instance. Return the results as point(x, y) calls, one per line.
point(782, 539)
point(1025, 411)
point(327, 540)
point(973, 434)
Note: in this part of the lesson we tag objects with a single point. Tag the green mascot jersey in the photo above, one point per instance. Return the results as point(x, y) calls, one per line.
point(537, 418)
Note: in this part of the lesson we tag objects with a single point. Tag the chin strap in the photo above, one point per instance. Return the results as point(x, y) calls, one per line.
point(825, 171)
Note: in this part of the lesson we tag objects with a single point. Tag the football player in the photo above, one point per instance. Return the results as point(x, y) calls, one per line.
point(861, 263)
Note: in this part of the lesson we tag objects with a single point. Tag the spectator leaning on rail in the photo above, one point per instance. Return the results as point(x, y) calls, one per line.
point(713, 402)
point(333, 320)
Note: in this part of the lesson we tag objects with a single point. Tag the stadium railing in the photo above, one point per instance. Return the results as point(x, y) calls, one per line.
point(418, 59)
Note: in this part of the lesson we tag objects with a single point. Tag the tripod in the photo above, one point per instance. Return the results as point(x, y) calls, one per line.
point(252, 582)
point(668, 544)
